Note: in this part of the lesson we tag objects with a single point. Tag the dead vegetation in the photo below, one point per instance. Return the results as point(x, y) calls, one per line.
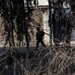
point(50, 61)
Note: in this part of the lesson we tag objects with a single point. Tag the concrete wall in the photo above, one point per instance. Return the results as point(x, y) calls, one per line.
point(42, 2)
point(46, 26)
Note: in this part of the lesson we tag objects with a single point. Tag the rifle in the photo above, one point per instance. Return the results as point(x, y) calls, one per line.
point(53, 38)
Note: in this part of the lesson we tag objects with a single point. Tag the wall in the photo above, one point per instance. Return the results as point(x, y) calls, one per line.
point(42, 2)
point(46, 26)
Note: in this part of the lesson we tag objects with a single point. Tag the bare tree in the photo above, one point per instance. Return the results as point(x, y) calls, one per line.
point(15, 18)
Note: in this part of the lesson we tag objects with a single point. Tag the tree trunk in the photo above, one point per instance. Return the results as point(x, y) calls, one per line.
point(50, 25)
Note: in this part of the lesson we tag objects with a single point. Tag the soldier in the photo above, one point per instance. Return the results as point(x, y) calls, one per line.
point(39, 37)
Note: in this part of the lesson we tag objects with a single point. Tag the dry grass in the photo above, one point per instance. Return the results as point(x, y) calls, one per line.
point(47, 61)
